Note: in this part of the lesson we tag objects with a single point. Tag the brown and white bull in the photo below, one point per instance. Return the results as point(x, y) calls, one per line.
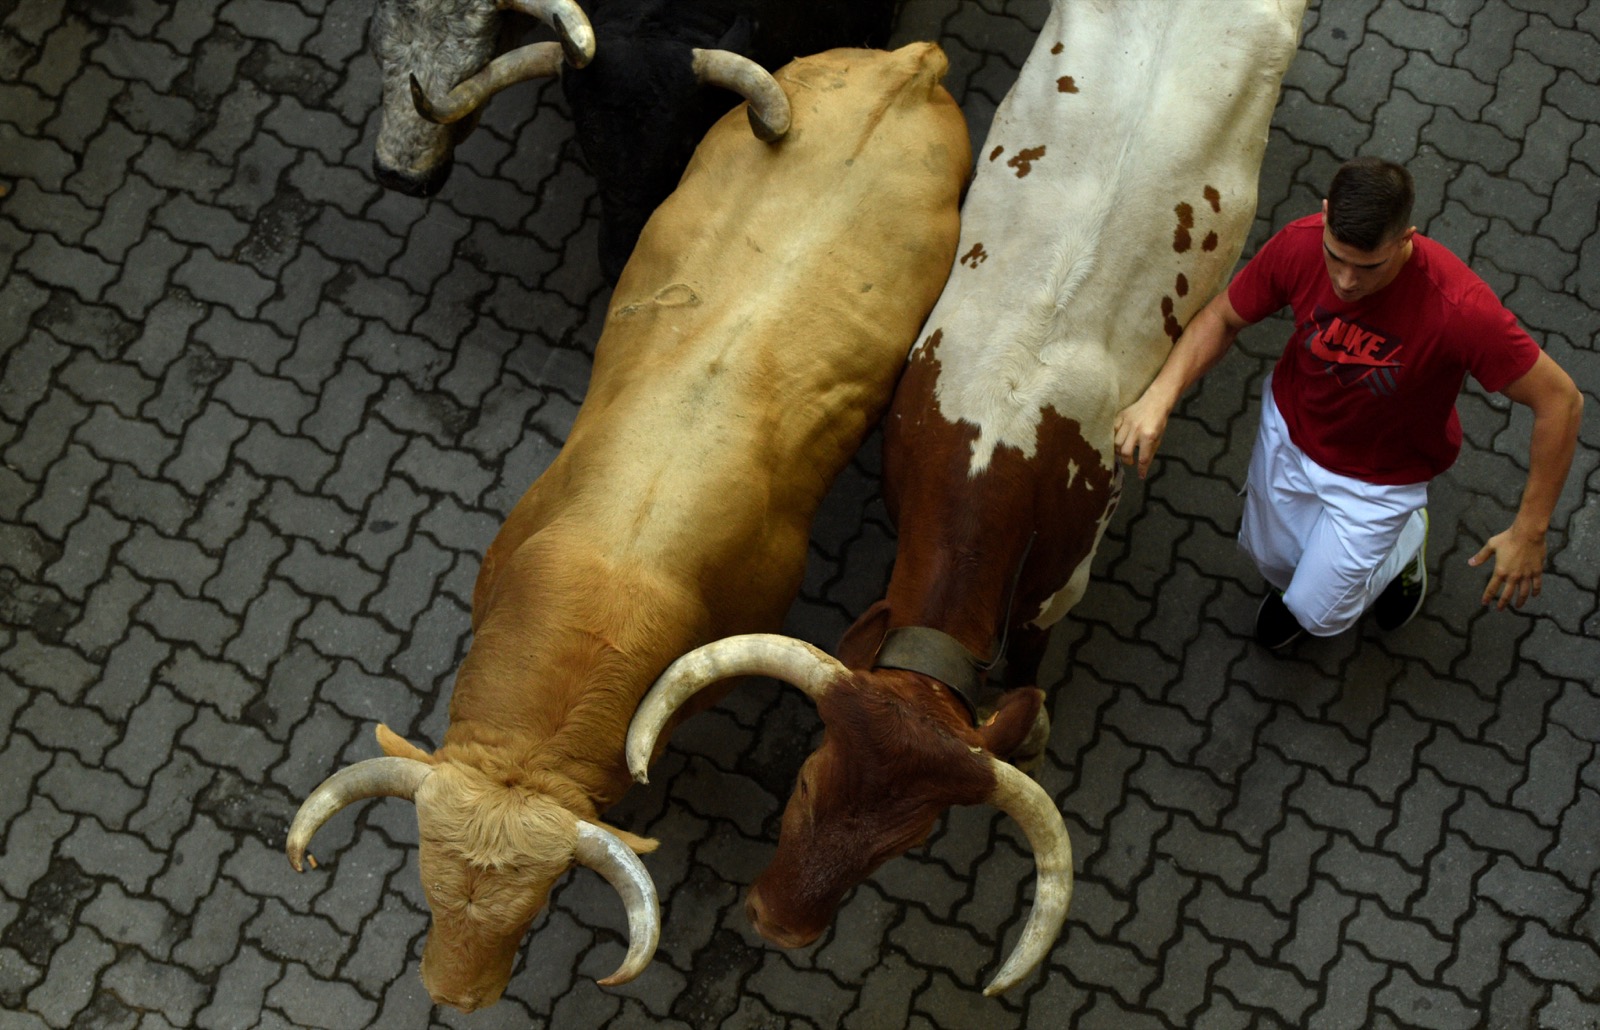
point(753, 339)
point(1112, 197)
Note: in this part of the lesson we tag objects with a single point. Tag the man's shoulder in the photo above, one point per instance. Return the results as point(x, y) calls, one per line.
point(1454, 280)
point(1297, 239)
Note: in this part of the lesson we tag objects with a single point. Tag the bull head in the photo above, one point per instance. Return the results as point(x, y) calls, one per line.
point(884, 774)
point(491, 850)
point(638, 110)
point(439, 43)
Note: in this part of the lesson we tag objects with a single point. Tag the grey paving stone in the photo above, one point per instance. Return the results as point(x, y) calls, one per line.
point(228, 504)
point(169, 800)
point(45, 161)
point(297, 514)
point(337, 634)
point(174, 617)
point(143, 282)
point(88, 790)
point(334, 186)
point(21, 760)
point(411, 583)
point(1480, 953)
point(65, 496)
point(58, 670)
point(180, 562)
point(173, 118)
point(125, 217)
point(61, 215)
point(231, 745)
point(68, 267)
point(241, 982)
point(125, 677)
point(258, 166)
point(245, 566)
point(1415, 1004)
point(238, 288)
point(267, 21)
point(269, 626)
point(65, 990)
point(201, 680)
point(121, 917)
point(59, 727)
point(383, 950)
point(1521, 891)
point(1368, 873)
point(62, 53)
point(153, 728)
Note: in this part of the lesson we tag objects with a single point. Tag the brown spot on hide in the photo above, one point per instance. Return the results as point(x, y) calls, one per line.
point(1166, 306)
point(1066, 85)
point(1180, 236)
point(996, 152)
point(1023, 162)
point(1213, 198)
point(1171, 327)
point(1057, 48)
point(975, 257)
point(1210, 242)
point(1182, 285)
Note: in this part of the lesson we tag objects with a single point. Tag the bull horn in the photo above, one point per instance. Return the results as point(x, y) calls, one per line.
point(1017, 795)
point(605, 853)
point(753, 654)
point(769, 106)
point(374, 778)
point(534, 61)
point(569, 21)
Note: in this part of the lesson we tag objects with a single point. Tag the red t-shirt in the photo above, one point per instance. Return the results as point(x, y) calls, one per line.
point(1368, 388)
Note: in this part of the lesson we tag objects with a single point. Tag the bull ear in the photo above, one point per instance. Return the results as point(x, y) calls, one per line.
point(640, 845)
point(397, 746)
point(1016, 718)
point(860, 643)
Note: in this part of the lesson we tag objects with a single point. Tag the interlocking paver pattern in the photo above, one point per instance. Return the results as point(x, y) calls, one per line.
point(258, 420)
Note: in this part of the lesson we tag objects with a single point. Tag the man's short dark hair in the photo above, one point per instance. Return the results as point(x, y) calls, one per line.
point(1369, 202)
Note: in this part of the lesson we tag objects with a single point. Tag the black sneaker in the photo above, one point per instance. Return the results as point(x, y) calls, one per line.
point(1402, 598)
point(1276, 626)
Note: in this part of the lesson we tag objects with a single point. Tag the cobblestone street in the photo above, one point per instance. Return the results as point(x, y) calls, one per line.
point(259, 419)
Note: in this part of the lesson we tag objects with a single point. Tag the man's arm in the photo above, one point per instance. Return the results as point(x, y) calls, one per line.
point(1138, 428)
point(1520, 550)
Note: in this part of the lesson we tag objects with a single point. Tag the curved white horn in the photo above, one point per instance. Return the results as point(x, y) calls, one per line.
point(1017, 795)
point(534, 61)
point(769, 105)
point(374, 778)
point(753, 654)
point(569, 21)
point(605, 853)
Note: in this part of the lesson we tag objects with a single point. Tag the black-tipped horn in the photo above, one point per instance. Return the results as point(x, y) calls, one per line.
point(569, 22)
point(534, 61)
point(769, 105)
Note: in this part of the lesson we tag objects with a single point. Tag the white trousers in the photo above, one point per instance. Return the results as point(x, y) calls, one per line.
point(1329, 542)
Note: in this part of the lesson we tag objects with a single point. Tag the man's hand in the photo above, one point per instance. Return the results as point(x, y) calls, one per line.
point(1137, 430)
point(1518, 567)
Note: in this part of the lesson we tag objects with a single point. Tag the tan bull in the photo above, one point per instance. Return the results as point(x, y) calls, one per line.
point(754, 338)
